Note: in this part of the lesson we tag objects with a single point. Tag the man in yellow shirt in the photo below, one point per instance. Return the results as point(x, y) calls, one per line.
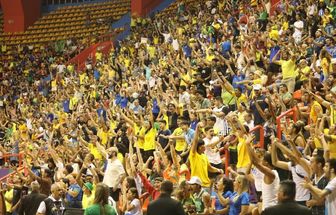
point(288, 68)
point(199, 163)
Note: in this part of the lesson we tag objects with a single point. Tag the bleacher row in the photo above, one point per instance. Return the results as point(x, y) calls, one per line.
point(70, 22)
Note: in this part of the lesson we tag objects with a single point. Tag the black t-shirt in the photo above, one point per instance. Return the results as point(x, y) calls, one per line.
point(258, 120)
point(172, 120)
point(199, 86)
point(205, 73)
point(163, 141)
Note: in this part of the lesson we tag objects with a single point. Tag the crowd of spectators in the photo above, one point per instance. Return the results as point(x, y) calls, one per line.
point(144, 129)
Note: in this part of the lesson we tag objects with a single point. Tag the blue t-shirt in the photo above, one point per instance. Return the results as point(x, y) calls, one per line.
point(226, 47)
point(218, 205)
point(193, 124)
point(156, 108)
point(238, 78)
point(102, 113)
point(96, 74)
point(186, 50)
point(273, 51)
point(66, 106)
point(189, 136)
point(237, 203)
point(75, 202)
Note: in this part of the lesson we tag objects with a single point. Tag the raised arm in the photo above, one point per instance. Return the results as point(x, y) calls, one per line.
point(193, 148)
point(256, 161)
point(275, 161)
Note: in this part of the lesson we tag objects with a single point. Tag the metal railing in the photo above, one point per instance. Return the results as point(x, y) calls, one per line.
point(290, 113)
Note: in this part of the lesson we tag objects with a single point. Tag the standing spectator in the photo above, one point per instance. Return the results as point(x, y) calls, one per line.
point(199, 163)
point(165, 205)
point(53, 204)
point(101, 203)
point(319, 180)
point(31, 202)
point(329, 192)
point(114, 172)
point(74, 193)
point(286, 203)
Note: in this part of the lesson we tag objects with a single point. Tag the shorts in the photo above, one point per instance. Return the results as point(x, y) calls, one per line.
point(218, 166)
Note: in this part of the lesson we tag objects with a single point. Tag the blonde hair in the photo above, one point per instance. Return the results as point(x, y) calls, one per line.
point(244, 183)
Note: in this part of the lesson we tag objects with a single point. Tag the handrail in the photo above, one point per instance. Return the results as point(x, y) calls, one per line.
point(6, 157)
point(290, 112)
point(260, 144)
point(19, 169)
point(262, 138)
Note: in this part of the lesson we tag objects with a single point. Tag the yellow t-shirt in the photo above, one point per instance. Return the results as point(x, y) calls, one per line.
point(331, 144)
point(305, 72)
point(242, 99)
point(288, 69)
point(199, 167)
point(111, 74)
point(315, 109)
point(332, 115)
point(87, 200)
point(9, 195)
point(141, 132)
point(156, 40)
point(82, 78)
point(151, 51)
point(150, 140)
point(103, 136)
point(99, 56)
point(243, 157)
point(180, 143)
point(95, 152)
point(186, 77)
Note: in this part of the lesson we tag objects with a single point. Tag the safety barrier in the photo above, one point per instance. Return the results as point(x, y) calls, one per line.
point(90, 52)
point(6, 158)
point(260, 144)
point(284, 115)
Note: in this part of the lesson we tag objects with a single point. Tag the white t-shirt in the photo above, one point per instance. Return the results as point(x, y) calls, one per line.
point(184, 98)
point(298, 174)
point(176, 45)
point(137, 208)
point(212, 152)
point(258, 178)
point(61, 68)
point(330, 201)
point(269, 192)
point(166, 37)
point(113, 171)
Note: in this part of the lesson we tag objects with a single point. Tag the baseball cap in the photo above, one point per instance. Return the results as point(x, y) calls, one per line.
point(195, 180)
point(257, 87)
point(89, 186)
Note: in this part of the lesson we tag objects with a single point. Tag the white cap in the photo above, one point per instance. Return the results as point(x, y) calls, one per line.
point(257, 87)
point(195, 180)
point(135, 95)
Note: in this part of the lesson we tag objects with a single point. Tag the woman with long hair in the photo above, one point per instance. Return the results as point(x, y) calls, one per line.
point(101, 204)
point(239, 200)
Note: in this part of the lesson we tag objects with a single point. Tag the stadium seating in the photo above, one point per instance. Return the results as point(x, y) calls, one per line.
point(80, 21)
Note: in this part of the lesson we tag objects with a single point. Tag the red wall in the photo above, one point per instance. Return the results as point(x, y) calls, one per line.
point(32, 11)
point(143, 7)
point(19, 14)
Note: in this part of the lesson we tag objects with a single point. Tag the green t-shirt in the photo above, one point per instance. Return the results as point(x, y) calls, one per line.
point(263, 15)
point(95, 210)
